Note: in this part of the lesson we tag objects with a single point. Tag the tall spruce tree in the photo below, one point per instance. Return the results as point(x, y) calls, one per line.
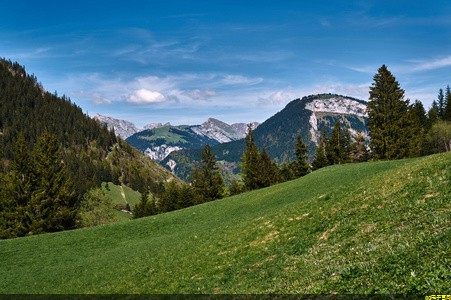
point(432, 115)
point(320, 159)
point(389, 118)
point(206, 179)
point(300, 165)
point(53, 204)
point(337, 146)
point(268, 171)
point(250, 162)
point(441, 103)
point(447, 109)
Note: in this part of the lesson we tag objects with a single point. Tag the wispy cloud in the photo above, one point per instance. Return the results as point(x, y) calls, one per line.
point(240, 79)
point(198, 94)
point(98, 98)
point(277, 98)
point(432, 64)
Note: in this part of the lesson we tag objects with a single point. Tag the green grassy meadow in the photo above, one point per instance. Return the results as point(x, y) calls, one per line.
point(120, 196)
point(380, 227)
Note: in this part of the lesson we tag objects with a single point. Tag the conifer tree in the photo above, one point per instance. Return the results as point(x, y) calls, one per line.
point(441, 103)
point(337, 146)
point(268, 172)
point(250, 162)
point(169, 198)
point(447, 109)
point(320, 159)
point(53, 203)
point(145, 207)
point(389, 119)
point(432, 115)
point(300, 166)
point(206, 179)
point(420, 114)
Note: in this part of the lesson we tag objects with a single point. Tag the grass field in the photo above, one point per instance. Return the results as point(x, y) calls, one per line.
point(121, 195)
point(379, 227)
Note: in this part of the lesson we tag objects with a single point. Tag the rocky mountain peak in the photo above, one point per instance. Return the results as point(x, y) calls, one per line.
point(121, 128)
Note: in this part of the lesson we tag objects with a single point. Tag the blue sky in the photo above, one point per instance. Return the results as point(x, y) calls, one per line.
point(238, 61)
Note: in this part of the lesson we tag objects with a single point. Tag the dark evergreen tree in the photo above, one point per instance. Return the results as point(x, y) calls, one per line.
point(206, 179)
point(145, 207)
point(250, 162)
point(420, 114)
point(170, 197)
point(432, 115)
point(447, 109)
point(53, 205)
point(389, 119)
point(441, 103)
point(300, 165)
point(268, 171)
point(337, 146)
point(320, 159)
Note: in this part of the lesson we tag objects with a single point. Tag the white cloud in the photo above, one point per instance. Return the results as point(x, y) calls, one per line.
point(433, 64)
point(143, 96)
point(98, 98)
point(277, 98)
point(198, 94)
point(239, 79)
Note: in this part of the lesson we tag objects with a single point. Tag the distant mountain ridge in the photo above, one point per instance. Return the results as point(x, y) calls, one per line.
point(122, 128)
point(158, 140)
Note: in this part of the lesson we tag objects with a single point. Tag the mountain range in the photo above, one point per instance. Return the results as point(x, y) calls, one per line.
point(178, 147)
point(277, 135)
point(158, 140)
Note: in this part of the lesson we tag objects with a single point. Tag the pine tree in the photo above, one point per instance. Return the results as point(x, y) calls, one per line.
point(250, 162)
point(389, 118)
point(441, 103)
point(337, 146)
point(169, 198)
point(52, 206)
point(320, 159)
point(432, 115)
point(268, 172)
point(420, 114)
point(301, 166)
point(206, 179)
point(447, 109)
point(145, 207)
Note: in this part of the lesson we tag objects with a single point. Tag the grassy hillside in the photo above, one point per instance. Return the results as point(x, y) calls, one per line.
point(363, 228)
point(121, 196)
